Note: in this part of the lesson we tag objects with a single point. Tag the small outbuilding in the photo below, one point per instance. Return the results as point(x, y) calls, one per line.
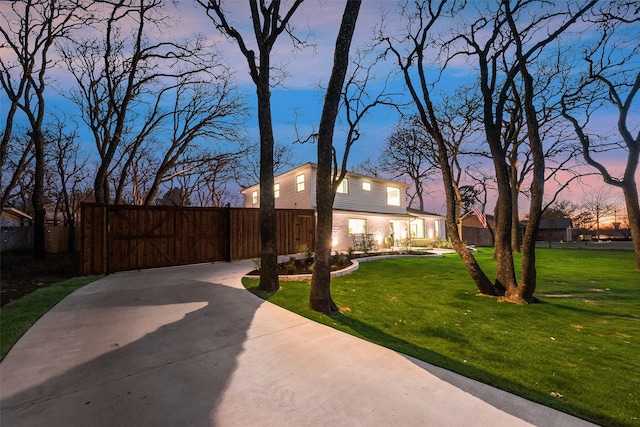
point(555, 230)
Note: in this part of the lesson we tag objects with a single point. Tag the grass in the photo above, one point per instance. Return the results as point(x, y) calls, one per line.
point(577, 351)
point(18, 316)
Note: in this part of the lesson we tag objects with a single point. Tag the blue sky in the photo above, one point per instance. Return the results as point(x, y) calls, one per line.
point(299, 98)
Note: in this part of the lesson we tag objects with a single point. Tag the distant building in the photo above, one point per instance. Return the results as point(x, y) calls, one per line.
point(474, 232)
point(555, 230)
point(12, 217)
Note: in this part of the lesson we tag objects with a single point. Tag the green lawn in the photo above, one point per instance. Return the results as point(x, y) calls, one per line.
point(577, 351)
point(18, 316)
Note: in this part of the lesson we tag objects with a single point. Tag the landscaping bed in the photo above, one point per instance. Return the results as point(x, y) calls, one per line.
point(304, 265)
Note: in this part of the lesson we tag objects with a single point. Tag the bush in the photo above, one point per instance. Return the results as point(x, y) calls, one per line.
point(342, 261)
point(291, 266)
point(425, 243)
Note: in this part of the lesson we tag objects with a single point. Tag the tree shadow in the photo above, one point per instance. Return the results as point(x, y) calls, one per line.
point(163, 353)
point(472, 380)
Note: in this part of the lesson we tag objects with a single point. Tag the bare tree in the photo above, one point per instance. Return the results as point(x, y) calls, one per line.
point(507, 54)
point(460, 123)
point(18, 157)
point(612, 80)
point(212, 183)
point(125, 71)
point(409, 51)
point(201, 111)
point(69, 170)
point(409, 153)
point(249, 174)
point(29, 31)
point(269, 22)
point(504, 41)
point(596, 206)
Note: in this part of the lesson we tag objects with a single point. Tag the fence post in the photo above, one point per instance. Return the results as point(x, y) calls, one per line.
point(228, 231)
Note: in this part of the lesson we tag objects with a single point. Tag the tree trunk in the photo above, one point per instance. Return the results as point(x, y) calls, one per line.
point(516, 240)
point(100, 186)
point(71, 241)
point(453, 224)
point(320, 294)
point(418, 185)
point(505, 269)
point(529, 272)
point(630, 191)
point(269, 252)
point(37, 198)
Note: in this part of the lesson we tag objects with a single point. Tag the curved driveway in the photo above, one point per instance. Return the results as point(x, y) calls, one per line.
point(188, 346)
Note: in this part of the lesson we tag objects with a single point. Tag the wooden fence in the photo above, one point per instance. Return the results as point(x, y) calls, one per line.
point(16, 238)
point(119, 238)
point(477, 236)
point(21, 239)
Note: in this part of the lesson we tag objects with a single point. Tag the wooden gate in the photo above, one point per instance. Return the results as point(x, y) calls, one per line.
point(119, 238)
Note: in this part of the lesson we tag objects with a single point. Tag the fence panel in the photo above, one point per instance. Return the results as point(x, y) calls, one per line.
point(16, 238)
point(477, 236)
point(245, 233)
point(94, 239)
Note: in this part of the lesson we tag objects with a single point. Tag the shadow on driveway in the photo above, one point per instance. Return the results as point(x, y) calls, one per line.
point(156, 347)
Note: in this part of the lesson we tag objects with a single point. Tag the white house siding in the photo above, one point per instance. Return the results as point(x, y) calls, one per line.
point(374, 200)
point(289, 198)
point(377, 225)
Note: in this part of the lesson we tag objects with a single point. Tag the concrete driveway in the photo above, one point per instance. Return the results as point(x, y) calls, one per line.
point(188, 346)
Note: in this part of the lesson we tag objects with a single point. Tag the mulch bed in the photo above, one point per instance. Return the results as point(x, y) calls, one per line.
point(20, 274)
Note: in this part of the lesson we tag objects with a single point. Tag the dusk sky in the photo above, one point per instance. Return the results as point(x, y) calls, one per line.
point(298, 99)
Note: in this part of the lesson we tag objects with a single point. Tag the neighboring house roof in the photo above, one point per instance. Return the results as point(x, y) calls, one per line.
point(471, 220)
point(17, 213)
point(13, 214)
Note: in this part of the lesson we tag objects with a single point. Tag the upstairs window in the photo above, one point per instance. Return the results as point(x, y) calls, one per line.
point(254, 197)
point(343, 188)
point(276, 190)
point(300, 183)
point(393, 196)
point(366, 186)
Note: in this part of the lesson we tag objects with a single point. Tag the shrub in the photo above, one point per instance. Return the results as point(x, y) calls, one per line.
point(291, 266)
point(350, 251)
point(342, 261)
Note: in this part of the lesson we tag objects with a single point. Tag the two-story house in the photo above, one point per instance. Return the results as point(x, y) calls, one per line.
point(369, 208)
